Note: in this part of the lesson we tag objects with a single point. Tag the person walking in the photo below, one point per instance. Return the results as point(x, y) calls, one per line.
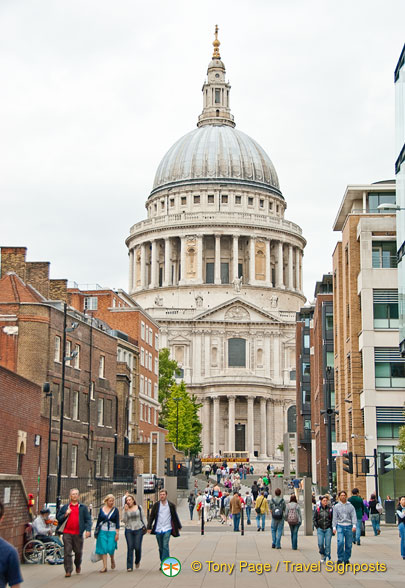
point(248, 507)
point(261, 508)
point(296, 485)
point(191, 504)
point(73, 520)
point(42, 530)
point(107, 530)
point(227, 507)
point(344, 523)
point(323, 516)
point(357, 501)
point(207, 470)
point(10, 572)
point(235, 510)
point(163, 522)
point(199, 503)
point(401, 523)
point(219, 475)
point(135, 527)
point(294, 519)
point(255, 490)
point(277, 508)
point(375, 509)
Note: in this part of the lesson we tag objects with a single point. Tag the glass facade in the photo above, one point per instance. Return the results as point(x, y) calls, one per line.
point(400, 189)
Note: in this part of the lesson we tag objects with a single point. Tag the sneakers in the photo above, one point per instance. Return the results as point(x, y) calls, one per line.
point(273, 545)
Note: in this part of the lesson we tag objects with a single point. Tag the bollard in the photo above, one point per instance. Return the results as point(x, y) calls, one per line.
point(242, 523)
point(308, 506)
point(202, 520)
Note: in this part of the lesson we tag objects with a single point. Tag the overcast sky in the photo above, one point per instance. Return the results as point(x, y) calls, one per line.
point(94, 92)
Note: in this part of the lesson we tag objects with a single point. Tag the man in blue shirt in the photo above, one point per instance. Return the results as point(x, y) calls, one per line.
point(10, 573)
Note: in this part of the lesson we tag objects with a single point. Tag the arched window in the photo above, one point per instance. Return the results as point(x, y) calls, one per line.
point(292, 419)
point(236, 352)
point(260, 357)
point(214, 356)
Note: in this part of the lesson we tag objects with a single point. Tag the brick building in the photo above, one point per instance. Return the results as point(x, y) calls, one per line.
point(303, 390)
point(369, 370)
point(132, 323)
point(23, 433)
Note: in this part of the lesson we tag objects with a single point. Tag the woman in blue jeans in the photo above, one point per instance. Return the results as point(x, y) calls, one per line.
point(323, 515)
point(375, 515)
point(135, 527)
point(401, 523)
point(294, 519)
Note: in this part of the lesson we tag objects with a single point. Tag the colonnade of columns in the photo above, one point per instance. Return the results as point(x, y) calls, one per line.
point(270, 424)
point(185, 259)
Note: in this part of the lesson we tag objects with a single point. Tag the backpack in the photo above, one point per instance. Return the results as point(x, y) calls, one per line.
point(277, 510)
point(248, 501)
point(292, 516)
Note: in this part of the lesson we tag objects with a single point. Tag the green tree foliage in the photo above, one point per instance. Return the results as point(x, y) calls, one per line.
point(400, 460)
point(168, 368)
point(189, 425)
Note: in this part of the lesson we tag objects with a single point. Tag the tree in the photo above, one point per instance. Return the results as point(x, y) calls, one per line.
point(168, 368)
point(188, 426)
point(400, 460)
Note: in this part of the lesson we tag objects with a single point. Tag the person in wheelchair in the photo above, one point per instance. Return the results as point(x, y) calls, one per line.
point(43, 530)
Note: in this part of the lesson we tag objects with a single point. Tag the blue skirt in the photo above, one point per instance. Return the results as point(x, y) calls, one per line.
point(106, 543)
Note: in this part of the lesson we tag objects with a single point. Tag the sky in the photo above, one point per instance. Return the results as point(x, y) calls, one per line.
point(94, 92)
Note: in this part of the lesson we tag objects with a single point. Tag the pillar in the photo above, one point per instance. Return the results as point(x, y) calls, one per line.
point(206, 425)
point(168, 254)
point(235, 256)
point(252, 261)
point(279, 277)
point(268, 263)
point(290, 267)
point(153, 265)
point(131, 270)
point(263, 429)
point(250, 444)
point(143, 266)
point(297, 268)
point(182, 260)
point(200, 241)
point(300, 268)
point(215, 427)
point(231, 423)
point(270, 447)
point(217, 262)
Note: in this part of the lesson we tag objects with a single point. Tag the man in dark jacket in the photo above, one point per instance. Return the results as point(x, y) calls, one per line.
point(323, 516)
point(76, 520)
point(255, 490)
point(163, 522)
point(358, 504)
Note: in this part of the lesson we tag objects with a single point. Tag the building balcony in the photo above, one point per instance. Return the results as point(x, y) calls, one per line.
point(305, 436)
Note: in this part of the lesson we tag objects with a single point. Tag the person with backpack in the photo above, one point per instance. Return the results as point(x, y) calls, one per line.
point(323, 516)
point(277, 508)
point(191, 504)
point(357, 501)
point(255, 490)
point(375, 510)
point(294, 519)
point(261, 508)
point(248, 505)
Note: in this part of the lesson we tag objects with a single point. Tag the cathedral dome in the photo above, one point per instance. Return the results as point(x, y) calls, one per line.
point(216, 153)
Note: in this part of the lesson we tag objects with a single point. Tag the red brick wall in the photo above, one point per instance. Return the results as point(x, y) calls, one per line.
point(16, 515)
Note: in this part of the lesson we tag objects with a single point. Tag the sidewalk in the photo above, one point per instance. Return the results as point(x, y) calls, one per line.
point(221, 545)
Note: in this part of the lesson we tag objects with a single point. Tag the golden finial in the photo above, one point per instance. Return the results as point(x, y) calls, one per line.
point(216, 44)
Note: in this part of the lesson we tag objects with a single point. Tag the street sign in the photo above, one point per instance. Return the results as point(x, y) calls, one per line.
point(338, 449)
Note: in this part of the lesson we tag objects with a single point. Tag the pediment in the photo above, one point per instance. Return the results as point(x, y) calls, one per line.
point(179, 339)
point(236, 311)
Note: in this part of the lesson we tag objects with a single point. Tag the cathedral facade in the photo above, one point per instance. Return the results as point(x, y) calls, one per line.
point(219, 267)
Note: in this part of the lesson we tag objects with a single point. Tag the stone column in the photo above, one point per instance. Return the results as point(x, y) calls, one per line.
point(200, 241)
point(276, 357)
point(290, 267)
point(250, 433)
point(297, 268)
point(153, 265)
point(217, 262)
point(280, 278)
point(270, 448)
point(300, 268)
point(231, 423)
point(268, 263)
point(182, 260)
point(168, 254)
point(252, 260)
point(131, 270)
point(143, 265)
point(263, 428)
point(215, 424)
point(206, 425)
point(235, 256)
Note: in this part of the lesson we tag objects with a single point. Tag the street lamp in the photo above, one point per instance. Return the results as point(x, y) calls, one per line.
point(48, 394)
point(329, 413)
point(177, 400)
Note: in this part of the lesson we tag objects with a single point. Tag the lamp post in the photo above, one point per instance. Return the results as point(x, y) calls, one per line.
point(177, 400)
point(329, 413)
point(48, 394)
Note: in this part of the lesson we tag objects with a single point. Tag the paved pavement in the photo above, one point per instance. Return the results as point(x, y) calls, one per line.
point(222, 546)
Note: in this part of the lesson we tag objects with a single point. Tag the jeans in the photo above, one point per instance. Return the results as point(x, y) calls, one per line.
point(191, 509)
point(357, 534)
point(375, 521)
point(134, 543)
point(401, 529)
point(49, 539)
point(324, 541)
point(276, 531)
point(262, 518)
point(163, 543)
point(294, 535)
point(218, 477)
point(236, 521)
point(248, 511)
point(344, 542)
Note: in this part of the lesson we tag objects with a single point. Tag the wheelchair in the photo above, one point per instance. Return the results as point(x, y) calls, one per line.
point(36, 551)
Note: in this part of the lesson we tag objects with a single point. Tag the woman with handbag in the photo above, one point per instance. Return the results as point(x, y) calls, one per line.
point(107, 531)
point(135, 529)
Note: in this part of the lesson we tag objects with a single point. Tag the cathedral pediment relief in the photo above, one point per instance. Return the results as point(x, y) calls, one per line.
point(237, 311)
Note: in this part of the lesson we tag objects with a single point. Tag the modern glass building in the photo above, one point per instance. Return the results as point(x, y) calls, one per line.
point(400, 189)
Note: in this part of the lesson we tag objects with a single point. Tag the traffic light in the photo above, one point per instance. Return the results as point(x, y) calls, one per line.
point(348, 462)
point(385, 463)
point(167, 466)
point(197, 466)
point(365, 465)
point(178, 469)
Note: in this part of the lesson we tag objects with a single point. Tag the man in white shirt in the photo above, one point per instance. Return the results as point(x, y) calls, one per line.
point(42, 530)
point(163, 522)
